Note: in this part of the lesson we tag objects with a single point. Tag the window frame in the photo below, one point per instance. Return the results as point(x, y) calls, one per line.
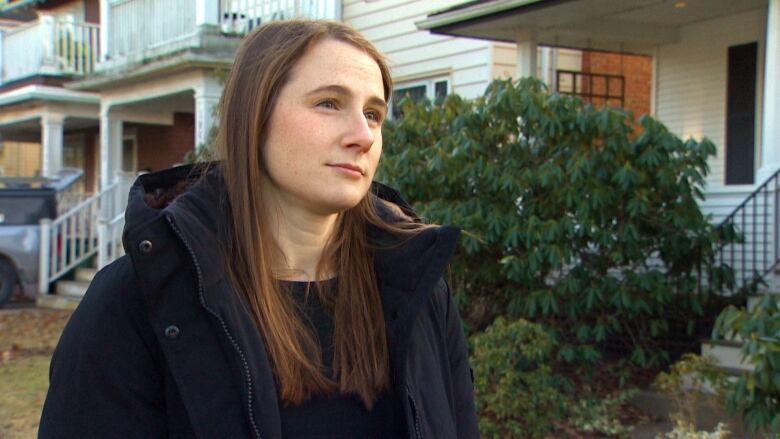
point(430, 89)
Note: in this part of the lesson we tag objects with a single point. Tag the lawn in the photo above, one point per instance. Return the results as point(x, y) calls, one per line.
point(27, 339)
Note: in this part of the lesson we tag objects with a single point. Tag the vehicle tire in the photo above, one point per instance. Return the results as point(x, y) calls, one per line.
point(7, 281)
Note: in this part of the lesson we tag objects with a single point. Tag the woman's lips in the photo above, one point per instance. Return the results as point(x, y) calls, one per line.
point(348, 168)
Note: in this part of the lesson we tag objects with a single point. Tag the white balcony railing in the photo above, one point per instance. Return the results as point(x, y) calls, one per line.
point(138, 26)
point(49, 45)
point(241, 16)
point(143, 29)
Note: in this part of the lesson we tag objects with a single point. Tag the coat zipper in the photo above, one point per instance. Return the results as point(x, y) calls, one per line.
point(417, 428)
point(247, 375)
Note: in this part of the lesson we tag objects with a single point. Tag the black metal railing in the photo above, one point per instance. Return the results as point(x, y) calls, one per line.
point(754, 254)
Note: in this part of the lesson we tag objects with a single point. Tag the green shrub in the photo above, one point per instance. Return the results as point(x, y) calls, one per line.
point(516, 394)
point(696, 387)
point(684, 430)
point(755, 396)
point(591, 413)
point(567, 212)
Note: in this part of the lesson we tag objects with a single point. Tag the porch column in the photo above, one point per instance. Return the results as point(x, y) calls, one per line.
point(110, 146)
point(207, 95)
point(526, 54)
point(206, 12)
point(51, 143)
point(2, 57)
point(105, 25)
point(770, 144)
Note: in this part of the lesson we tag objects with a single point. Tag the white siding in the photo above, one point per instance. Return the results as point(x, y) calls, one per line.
point(416, 54)
point(691, 88)
point(470, 64)
point(504, 60)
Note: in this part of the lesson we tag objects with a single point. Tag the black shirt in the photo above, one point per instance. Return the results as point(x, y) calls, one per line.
point(335, 415)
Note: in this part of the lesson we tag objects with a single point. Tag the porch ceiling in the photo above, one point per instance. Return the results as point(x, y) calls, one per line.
point(183, 102)
point(613, 25)
point(30, 129)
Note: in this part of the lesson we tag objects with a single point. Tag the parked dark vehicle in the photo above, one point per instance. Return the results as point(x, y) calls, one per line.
point(24, 201)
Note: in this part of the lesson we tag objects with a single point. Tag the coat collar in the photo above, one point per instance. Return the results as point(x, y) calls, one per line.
point(193, 197)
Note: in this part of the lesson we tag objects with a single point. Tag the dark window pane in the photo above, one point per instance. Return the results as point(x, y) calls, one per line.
point(440, 90)
point(414, 93)
point(741, 114)
point(25, 210)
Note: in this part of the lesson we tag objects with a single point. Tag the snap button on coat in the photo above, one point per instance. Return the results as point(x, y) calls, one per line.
point(145, 246)
point(172, 332)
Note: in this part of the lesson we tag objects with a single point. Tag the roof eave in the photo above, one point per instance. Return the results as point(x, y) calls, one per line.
point(47, 93)
point(473, 12)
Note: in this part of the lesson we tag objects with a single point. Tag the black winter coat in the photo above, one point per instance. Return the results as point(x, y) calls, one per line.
point(161, 346)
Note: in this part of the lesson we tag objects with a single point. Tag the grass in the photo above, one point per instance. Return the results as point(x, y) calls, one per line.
point(27, 340)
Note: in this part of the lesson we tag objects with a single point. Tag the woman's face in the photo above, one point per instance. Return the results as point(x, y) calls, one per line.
point(324, 135)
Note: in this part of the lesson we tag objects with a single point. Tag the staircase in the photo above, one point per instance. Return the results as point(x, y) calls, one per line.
point(755, 261)
point(68, 293)
point(75, 245)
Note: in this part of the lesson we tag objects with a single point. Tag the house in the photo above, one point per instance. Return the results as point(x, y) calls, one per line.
point(120, 87)
point(715, 74)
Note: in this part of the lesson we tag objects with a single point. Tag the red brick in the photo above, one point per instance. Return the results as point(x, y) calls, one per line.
point(636, 71)
point(161, 147)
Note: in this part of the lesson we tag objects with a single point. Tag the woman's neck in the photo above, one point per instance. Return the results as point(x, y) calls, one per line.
point(301, 236)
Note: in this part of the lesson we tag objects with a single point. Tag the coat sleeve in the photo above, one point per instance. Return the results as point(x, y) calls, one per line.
point(105, 380)
point(463, 385)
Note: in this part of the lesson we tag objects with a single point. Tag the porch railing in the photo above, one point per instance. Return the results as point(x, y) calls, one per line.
point(138, 27)
point(90, 228)
point(755, 255)
point(49, 45)
point(241, 16)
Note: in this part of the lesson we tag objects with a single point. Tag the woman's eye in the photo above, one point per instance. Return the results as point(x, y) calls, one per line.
point(373, 116)
point(327, 104)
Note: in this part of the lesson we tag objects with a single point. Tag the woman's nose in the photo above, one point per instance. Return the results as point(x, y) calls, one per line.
point(359, 133)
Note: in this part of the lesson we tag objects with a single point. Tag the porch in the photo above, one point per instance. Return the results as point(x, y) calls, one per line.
point(715, 72)
point(47, 128)
point(138, 30)
point(50, 46)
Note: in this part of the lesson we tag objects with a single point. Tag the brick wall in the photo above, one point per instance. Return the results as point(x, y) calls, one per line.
point(161, 147)
point(637, 72)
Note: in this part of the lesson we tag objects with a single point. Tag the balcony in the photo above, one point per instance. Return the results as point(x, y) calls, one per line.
point(140, 30)
point(49, 46)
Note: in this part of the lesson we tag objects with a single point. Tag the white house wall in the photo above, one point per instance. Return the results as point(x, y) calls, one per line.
point(691, 92)
point(505, 62)
point(415, 54)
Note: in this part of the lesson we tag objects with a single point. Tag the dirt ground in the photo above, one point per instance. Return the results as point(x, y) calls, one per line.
point(27, 339)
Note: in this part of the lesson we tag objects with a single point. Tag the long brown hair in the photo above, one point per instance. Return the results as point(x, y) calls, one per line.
point(361, 360)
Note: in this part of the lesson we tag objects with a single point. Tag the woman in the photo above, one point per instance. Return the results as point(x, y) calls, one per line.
point(277, 292)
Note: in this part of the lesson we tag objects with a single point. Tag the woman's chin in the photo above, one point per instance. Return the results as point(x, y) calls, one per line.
point(341, 203)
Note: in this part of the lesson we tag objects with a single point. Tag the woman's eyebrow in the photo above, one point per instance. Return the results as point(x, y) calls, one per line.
point(338, 89)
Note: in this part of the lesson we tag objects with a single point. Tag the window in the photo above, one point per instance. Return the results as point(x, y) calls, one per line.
point(129, 154)
point(595, 88)
point(434, 89)
point(741, 114)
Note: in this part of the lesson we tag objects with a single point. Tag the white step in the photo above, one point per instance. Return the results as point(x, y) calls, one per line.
point(85, 274)
point(728, 355)
point(74, 288)
point(57, 302)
